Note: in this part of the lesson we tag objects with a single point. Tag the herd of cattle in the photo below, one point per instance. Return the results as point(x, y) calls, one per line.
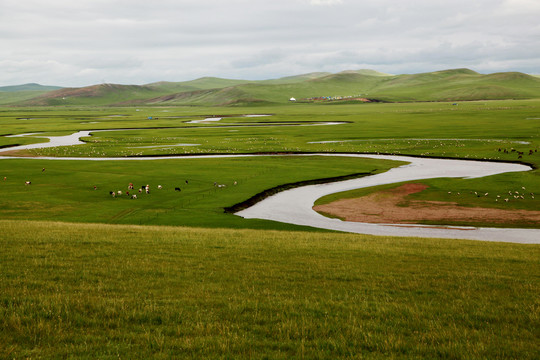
point(142, 189)
point(146, 189)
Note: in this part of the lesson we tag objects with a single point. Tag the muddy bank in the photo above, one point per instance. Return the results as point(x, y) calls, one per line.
point(395, 206)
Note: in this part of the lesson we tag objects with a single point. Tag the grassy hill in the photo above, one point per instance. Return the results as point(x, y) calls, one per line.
point(446, 85)
point(28, 87)
point(18, 93)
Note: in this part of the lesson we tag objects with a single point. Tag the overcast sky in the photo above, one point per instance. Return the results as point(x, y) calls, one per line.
point(85, 42)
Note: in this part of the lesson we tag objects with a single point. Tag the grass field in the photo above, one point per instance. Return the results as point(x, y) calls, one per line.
point(207, 284)
point(104, 291)
point(65, 190)
point(495, 130)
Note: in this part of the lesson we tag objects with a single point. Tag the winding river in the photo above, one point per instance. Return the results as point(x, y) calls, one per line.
point(295, 206)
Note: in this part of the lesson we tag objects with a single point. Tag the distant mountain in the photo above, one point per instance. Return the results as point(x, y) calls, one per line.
point(365, 72)
point(28, 87)
point(345, 86)
point(197, 84)
point(102, 94)
point(297, 78)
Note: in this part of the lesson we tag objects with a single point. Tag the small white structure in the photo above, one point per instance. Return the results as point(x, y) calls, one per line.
point(292, 99)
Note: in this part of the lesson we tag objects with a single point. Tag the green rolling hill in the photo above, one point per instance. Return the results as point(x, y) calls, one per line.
point(18, 93)
point(346, 86)
point(28, 87)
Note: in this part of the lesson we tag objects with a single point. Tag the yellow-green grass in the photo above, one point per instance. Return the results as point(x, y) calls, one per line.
point(117, 291)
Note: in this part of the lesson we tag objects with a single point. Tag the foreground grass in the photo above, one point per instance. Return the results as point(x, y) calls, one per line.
point(104, 291)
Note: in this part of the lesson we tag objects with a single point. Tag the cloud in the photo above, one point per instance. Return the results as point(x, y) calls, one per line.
point(81, 43)
point(325, 2)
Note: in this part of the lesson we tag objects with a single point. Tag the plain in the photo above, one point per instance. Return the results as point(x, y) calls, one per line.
point(230, 289)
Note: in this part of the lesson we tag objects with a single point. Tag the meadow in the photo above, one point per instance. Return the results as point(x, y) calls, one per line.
point(493, 130)
point(172, 275)
point(116, 291)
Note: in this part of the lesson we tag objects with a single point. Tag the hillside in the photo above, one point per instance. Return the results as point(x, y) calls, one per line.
point(18, 93)
point(355, 85)
point(28, 87)
point(102, 94)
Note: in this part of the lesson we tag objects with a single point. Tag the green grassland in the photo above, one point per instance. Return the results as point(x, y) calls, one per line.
point(117, 291)
point(207, 284)
point(65, 190)
point(494, 130)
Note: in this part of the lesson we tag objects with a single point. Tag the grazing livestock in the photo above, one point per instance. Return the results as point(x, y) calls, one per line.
point(177, 189)
point(186, 182)
point(27, 183)
point(133, 196)
point(119, 192)
point(42, 170)
point(235, 183)
point(95, 187)
point(159, 187)
point(130, 186)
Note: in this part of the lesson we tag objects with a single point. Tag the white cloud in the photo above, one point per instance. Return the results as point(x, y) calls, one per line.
point(76, 43)
point(325, 2)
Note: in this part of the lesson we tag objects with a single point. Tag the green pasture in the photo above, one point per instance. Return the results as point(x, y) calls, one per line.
point(494, 130)
point(64, 191)
point(207, 284)
point(467, 130)
point(115, 291)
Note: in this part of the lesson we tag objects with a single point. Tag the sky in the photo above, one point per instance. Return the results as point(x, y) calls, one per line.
point(85, 42)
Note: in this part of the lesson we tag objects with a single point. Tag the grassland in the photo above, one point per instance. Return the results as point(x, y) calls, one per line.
point(65, 190)
point(206, 284)
point(103, 291)
point(494, 130)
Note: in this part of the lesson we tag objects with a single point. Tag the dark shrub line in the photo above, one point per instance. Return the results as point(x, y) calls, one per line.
point(269, 192)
